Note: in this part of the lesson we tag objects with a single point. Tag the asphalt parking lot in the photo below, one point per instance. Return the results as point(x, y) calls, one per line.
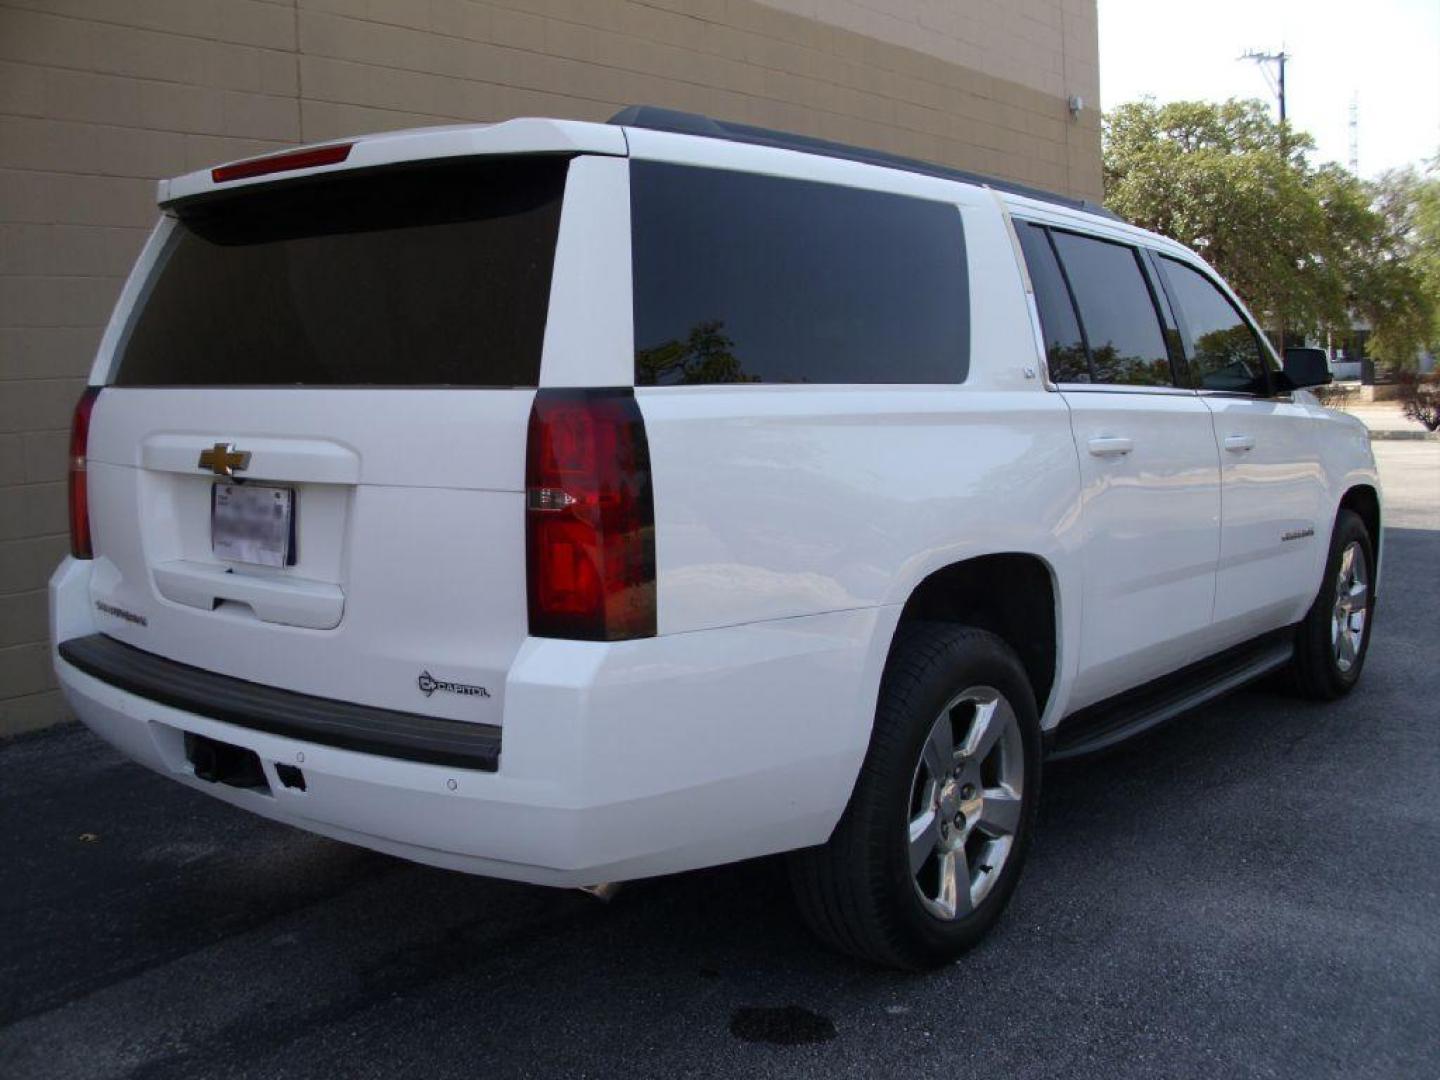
point(1253, 890)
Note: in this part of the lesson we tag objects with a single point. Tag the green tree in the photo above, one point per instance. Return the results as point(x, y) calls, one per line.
point(1427, 237)
point(1409, 202)
point(1376, 253)
point(1308, 248)
point(1220, 179)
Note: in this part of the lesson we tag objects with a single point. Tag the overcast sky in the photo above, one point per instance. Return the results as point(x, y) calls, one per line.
point(1385, 51)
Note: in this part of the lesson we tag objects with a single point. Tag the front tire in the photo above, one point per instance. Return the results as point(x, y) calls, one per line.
point(935, 835)
point(1334, 637)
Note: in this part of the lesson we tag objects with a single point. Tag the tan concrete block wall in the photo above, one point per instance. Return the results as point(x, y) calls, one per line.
point(1020, 41)
point(99, 98)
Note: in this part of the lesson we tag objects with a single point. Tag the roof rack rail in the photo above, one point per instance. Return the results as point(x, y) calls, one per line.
point(654, 118)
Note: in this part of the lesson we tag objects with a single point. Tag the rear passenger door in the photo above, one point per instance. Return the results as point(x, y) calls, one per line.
point(1272, 481)
point(1149, 471)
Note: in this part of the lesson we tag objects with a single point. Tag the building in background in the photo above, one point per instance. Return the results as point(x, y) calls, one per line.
point(99, 98)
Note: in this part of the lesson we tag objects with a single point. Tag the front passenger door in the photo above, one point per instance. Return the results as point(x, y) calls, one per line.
point(1272, 536)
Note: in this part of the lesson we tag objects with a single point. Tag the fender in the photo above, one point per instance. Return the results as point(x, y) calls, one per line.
point(1349, 463)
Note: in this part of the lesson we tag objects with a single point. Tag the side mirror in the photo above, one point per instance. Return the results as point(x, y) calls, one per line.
point(1307, 367)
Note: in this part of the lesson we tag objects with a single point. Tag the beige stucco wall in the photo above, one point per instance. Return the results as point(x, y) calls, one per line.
point(98, 98)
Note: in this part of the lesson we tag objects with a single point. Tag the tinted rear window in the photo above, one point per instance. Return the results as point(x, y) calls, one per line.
point(1121, 324)
point(744, 279)
point(423, 276)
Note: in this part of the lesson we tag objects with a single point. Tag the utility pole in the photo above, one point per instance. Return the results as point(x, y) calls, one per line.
point(1278, 59)
point(1265, 59)
point(1355, 133)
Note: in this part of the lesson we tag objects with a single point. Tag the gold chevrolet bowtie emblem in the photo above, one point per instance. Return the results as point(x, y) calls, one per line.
point(223, 461)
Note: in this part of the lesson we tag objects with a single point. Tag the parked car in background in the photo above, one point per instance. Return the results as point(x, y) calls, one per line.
point(573, 503)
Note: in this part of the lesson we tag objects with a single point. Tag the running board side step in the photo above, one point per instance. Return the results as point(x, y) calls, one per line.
point(1106, 723)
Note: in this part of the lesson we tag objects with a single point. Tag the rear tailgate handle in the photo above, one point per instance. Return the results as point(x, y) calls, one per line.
point(1111, 445)
point(1238, 444)
point(289, 601)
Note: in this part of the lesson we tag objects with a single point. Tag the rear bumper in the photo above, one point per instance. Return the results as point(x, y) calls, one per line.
point(283, 712)
point(621, 760)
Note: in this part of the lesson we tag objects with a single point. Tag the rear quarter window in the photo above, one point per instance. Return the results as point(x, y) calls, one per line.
point(742, 278)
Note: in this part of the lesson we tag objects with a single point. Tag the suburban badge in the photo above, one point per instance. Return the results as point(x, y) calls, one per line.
point(121, 613)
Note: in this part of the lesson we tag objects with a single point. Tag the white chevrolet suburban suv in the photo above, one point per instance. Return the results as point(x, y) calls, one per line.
point(574, 503)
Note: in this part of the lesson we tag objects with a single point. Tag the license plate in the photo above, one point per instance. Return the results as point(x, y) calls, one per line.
point(253, 524)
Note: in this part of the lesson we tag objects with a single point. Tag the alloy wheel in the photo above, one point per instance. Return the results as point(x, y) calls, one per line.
point(965, 802)
point(1352, 596)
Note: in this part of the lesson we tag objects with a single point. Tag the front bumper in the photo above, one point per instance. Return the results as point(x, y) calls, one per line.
point(621, 760)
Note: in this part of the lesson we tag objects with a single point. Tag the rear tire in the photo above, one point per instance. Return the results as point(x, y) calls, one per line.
point(1332, 641)
point(936, 833)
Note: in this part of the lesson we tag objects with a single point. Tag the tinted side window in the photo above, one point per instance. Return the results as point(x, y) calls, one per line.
point(1224, 354)
point(1064, 347)
point(742, 278)
point(1121, 325)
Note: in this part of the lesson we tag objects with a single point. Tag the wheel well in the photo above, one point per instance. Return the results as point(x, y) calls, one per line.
point(1365, 501)
point(1011, 595)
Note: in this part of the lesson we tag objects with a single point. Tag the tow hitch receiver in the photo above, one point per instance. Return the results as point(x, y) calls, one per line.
point(221, 763)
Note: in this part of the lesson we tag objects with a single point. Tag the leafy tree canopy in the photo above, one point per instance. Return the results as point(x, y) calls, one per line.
point(1409, 201)
point(1308, 247)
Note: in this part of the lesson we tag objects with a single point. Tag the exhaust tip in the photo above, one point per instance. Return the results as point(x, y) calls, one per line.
point(604, 892)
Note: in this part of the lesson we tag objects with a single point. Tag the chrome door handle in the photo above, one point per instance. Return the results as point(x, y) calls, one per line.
point(1238, 444)
point(1110, 445)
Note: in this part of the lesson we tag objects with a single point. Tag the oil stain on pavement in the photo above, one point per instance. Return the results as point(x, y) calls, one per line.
point(787, 1025)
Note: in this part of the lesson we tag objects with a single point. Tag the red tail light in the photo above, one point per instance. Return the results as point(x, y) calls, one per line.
point(589, 517)
point(294, 159)
point(80, 545)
